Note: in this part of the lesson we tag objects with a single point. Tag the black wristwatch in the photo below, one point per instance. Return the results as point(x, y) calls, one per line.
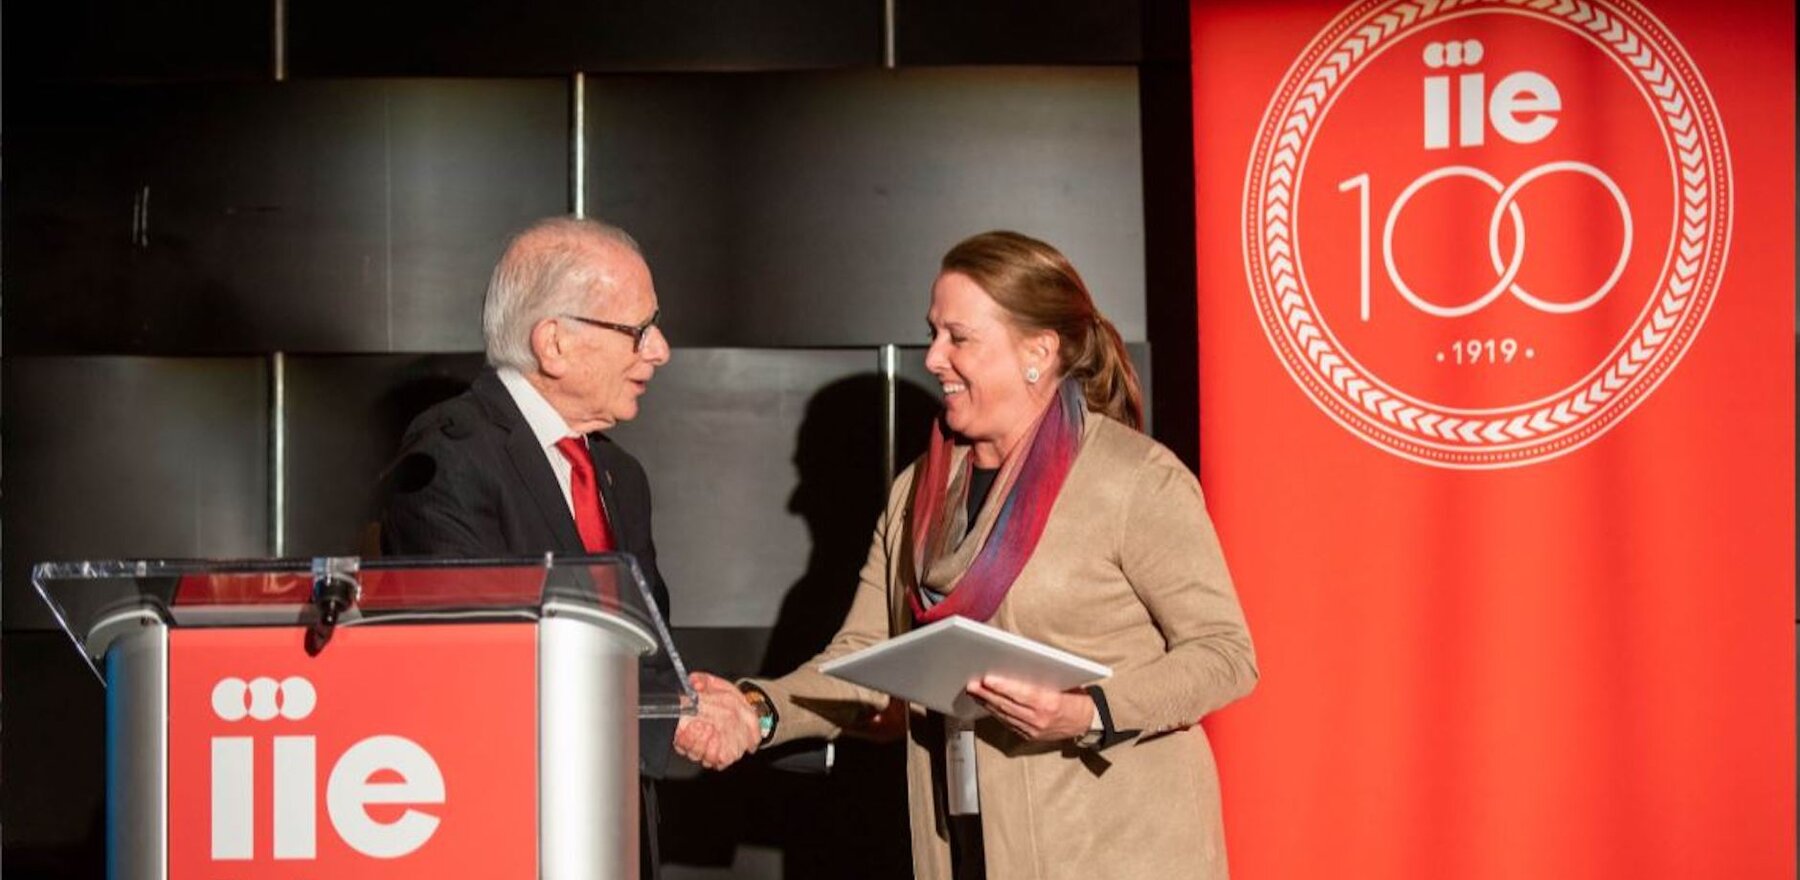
point(765, 710)
point(1107, 736)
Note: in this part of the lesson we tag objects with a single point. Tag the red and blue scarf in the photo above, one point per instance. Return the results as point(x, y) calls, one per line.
point(974, 571)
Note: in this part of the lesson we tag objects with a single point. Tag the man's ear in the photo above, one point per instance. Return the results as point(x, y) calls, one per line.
point(549, 344)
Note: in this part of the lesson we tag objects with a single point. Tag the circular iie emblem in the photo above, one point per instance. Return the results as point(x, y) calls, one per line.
point(1478, 234)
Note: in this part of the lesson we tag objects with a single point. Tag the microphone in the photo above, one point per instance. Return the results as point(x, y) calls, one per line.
point(335, 591)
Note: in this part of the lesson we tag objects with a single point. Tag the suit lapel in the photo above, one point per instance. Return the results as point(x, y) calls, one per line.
point(540, 483)
point(529, 463)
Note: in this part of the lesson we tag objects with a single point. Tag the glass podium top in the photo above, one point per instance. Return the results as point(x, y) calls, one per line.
point(95, 602)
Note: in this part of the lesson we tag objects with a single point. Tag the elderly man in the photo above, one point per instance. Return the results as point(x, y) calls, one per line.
point(518, 465)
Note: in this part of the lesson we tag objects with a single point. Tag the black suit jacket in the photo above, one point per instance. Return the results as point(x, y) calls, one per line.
point(471, 482)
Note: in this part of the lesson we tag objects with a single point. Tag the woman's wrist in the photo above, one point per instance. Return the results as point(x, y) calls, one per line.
point(766, 716)
point(1096, 729)
point(1109, 734)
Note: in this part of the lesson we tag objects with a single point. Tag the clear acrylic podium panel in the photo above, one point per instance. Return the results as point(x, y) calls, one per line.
point(95, 602)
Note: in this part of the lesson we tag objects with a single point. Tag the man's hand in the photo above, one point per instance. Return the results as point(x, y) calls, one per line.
point(1034, 713)
point(725, 729)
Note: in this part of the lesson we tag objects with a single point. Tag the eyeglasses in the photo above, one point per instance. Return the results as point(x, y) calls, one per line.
point(637, 332)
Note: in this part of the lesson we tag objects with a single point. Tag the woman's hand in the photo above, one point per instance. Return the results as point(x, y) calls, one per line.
point(725, 729)
point(1034, 713)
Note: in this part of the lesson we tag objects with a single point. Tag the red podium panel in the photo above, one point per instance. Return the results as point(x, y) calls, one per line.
point(402, 751)
point(396, 718)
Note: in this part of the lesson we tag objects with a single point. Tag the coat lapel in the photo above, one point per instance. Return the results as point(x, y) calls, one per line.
point(540, 482)
point(529, 463)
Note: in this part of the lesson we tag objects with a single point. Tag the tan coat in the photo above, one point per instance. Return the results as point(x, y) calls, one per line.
point(1128, 573)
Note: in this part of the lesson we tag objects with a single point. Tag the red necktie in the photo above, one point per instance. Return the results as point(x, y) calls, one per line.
point(590, 517)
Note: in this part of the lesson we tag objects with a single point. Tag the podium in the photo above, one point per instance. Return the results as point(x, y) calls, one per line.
point(392, 718)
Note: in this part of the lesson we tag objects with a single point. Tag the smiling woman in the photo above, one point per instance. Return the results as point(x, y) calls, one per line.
point(1041, 509)
point(983, 363)
point(1003, 284)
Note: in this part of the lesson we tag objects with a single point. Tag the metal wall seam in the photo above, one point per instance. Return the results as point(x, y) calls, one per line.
point(578, 146)
point(278, 453)
point(280, 40)
point(890, 361)
point(887, 35)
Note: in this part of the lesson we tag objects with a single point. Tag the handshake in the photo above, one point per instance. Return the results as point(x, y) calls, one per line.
point(725, 729)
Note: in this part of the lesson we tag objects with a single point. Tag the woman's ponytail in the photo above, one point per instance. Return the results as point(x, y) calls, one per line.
point(1111, 385)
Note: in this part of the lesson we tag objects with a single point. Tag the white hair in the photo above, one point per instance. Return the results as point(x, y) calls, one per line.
point(547, 270)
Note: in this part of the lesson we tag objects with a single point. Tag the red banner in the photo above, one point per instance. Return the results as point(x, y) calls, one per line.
point(1497, 425)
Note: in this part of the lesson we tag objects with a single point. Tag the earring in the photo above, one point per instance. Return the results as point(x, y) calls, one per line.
point(1031, 375)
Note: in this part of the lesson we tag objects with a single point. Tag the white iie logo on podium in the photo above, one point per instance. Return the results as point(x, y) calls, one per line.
point(348, 791)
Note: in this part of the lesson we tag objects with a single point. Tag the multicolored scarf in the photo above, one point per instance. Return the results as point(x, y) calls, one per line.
point(974, 570)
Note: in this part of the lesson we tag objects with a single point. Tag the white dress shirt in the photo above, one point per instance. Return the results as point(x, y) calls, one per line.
point(547, 425)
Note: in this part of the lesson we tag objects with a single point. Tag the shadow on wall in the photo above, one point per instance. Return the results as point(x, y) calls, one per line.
point(840, 497)
point(853, 821)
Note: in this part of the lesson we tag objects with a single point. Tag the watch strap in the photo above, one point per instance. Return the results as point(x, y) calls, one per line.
point(766, 716)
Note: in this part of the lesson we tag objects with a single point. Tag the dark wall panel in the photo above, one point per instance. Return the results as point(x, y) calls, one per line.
point(363, 216)
point(414, 37)
point(324, 216)
point(760, 461)
point(345, 417)
point(785, 210)
point(472, 162)
point(729, 34)
point(1009, 32)
point(129, 458)
point(265, 212)
point(138, 39)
